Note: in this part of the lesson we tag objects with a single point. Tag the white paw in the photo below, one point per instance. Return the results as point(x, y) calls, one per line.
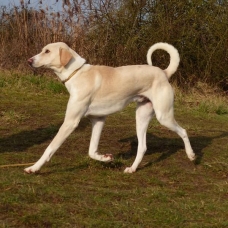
point(107, 158)
point(129, 170)
point(192, 156)
point(31, 169)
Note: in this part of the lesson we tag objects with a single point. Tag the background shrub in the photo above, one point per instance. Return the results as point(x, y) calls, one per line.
point(119, 32)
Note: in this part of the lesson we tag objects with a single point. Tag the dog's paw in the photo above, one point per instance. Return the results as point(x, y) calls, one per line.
point(129, 170)
point(192, 156)
point(31, 169)
point(107, 158)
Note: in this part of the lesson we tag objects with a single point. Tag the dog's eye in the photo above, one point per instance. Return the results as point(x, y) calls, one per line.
point(46, 51)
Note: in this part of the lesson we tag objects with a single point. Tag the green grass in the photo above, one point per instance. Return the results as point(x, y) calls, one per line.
point(74, 191)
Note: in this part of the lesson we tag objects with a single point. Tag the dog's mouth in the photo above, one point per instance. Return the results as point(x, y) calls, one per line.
point(31, 63)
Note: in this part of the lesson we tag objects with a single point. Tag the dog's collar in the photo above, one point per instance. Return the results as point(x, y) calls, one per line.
point(72, 74)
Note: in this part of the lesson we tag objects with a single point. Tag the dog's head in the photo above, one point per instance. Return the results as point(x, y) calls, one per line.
point(53, 56)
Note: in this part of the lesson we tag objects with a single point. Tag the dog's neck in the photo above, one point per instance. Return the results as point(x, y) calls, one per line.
point(72, 74)
point(66, 71)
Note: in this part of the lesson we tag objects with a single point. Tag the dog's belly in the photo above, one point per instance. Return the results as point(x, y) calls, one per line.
point(104, 108)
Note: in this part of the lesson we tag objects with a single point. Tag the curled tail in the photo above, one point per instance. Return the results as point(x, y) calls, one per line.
point(174, 57)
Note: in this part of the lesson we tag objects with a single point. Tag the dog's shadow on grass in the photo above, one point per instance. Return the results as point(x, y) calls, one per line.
point(23, 140)
point(167, 147)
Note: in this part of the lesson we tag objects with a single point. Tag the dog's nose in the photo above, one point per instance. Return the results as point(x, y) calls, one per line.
point(30, 61)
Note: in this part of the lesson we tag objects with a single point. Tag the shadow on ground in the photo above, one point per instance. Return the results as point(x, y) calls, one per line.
point(165, 146)
point(169, 146)
point(23, 140)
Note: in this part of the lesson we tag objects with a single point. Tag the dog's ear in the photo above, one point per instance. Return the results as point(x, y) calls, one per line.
point(65, 56)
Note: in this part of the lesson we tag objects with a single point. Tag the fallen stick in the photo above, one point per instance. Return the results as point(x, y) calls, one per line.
point(15, 165)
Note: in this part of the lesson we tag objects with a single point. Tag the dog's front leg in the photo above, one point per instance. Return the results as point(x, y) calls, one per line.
point(64, 131)
point(97, 126)
point(72, 119)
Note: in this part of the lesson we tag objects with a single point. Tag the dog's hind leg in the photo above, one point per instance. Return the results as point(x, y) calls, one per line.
point(165, 115)
point(97, 126)
point(144, 113)
point(168, 121)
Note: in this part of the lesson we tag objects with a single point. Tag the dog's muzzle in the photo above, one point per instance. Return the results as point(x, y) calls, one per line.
point(30, 61)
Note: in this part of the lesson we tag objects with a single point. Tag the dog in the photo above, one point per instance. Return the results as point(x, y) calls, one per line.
point(97, 91)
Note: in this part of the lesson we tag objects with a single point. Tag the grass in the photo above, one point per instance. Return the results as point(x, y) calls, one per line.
point(74, 191)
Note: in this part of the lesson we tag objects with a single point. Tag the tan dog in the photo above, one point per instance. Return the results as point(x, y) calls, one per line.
point(98, 91)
